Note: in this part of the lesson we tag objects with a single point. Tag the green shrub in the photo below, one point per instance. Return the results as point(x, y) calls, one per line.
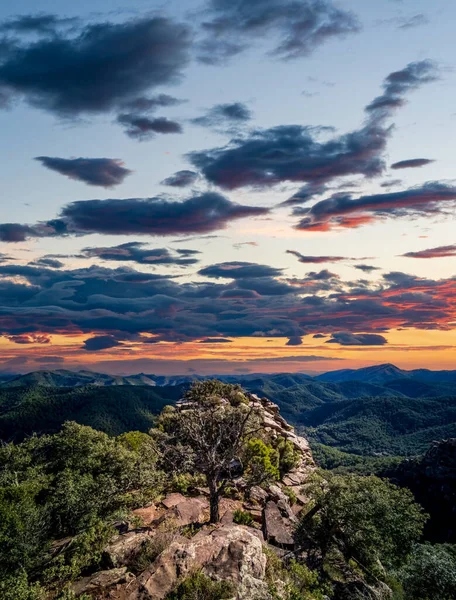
point(18, 588)
point(183, 482)
point(241, 517)
point(291, 495)
point(262, 462)
point(200, 587)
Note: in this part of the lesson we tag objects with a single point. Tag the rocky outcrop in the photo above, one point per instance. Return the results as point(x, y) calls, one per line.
point(230, 552)
point(101, 581)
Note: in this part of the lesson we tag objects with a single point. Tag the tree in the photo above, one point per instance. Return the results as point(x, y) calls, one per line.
point(367, 519)
point(430, 574)
point(207, 434)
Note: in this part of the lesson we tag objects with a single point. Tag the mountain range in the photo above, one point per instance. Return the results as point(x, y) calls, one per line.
point(380, 410)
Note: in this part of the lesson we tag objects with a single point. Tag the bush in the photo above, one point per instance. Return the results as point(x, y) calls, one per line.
point(200, 587)
point(262, 462)
point(18, 588)
point(241, 517)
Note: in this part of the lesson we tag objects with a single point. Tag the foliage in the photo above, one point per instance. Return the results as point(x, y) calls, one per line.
point(200, 587)
point(367, 519)
point(261, 462)
point(114, 409)
point(184, 482)
point(242, 517)
point(18, 588)
point(430, 574)
point(288, 455)
point(340, 462)
point(292, 497)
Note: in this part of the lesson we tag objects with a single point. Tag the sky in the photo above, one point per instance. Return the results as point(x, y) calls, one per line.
point(227, 187)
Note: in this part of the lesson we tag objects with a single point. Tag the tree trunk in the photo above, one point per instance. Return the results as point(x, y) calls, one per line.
point(214, 499)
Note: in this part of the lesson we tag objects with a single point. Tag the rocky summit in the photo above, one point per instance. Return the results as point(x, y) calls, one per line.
point(176, 540)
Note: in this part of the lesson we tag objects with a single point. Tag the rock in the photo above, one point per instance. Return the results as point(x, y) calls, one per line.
point(258, 495)
point(276, 493)
point(229, 552)
point(187, 511)
point(101, 580)
point(278, 527)
point(173, 499)
point(146, 514)
point(123, 548)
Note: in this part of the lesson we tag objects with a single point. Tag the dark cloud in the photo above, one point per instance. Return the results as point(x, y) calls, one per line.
point(44, 261)
point(239, 270)
point(391, 183)
point(94, 68)
point(295, 340)
point(298, 28)
point(155, 216)
point(181, 179)
point(316, 259)
point(222, 115)
point(319, 336)
point(138, 252)
point(432, 198)
point(40, 23)
point(144, 128)
point(215, 341)
point(399, 83)
point(100, 342)
point(366, 268)
point(26, 339)
point(359, 339)
point(151, 103)
point(412, 163)
point(439, 252)
point(16, 232)
point(49, 359)
point(103, 172)
point(295, 153)
point(123, 304)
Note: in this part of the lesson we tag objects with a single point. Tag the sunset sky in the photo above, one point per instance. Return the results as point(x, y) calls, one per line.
point(227, 186)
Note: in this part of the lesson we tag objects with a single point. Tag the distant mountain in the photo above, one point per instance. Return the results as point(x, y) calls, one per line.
point(381, 374)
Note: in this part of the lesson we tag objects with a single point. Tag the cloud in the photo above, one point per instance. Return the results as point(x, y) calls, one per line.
point(439, 252)
point(316, 259)
point(39, 23)
point(399, 83)
point(82, 71)
point(412, 163)
point(155, 216)
point(26, 339)
point(151, 103)
point(49, 359)
point(414, 21)
point(366, 268)
point(222, 115)
point(391, 183)
point(297, 154)
point(359, 339)
point(239, 270)
point(295, 340)
point(319, 336)
point(103, 172)
point(297, 28)
point(45, 261)
point(136, 216)
point(100, 342)
point(344, 211)
point(215, 341)
point(138, 252)
point(144, 128)
point(181, 179)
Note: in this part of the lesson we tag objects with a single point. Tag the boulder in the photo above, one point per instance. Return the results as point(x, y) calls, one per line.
point(173, 499)
point(147, 514)
point(258, 495)
point(278, 524)
point(101, 581)
point(123, 548)
point(229, 552)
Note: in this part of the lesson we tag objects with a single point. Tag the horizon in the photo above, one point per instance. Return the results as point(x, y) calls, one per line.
point(242, 189)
